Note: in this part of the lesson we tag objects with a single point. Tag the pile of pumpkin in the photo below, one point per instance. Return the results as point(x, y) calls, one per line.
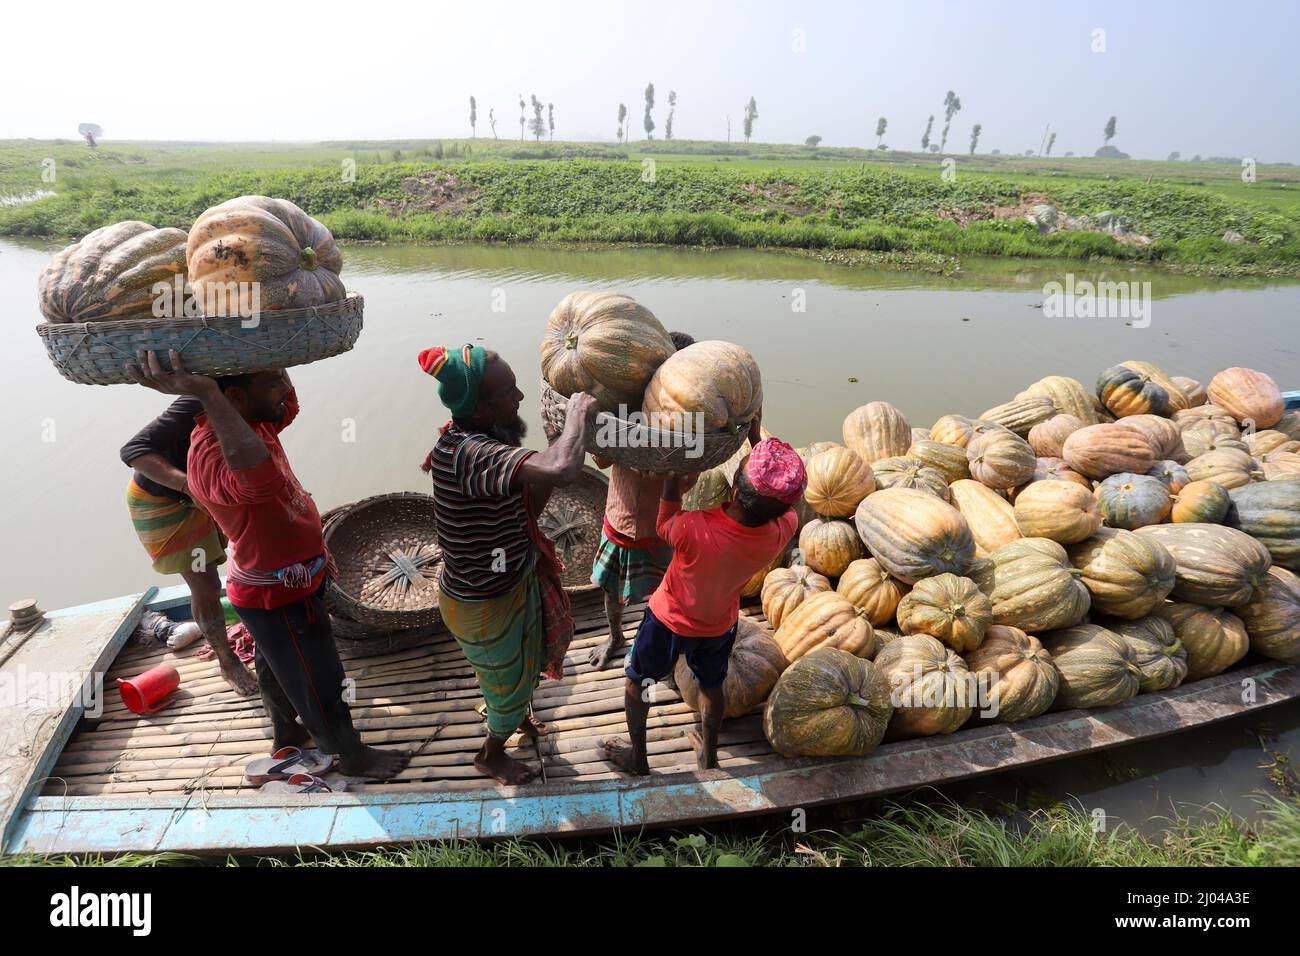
point(1072, 547)
point(112, 273)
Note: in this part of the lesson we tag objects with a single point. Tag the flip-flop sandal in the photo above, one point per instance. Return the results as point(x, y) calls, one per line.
point(286, 762)
point(298, 783)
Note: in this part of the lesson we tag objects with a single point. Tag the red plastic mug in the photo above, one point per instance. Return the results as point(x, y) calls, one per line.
point(147, 693)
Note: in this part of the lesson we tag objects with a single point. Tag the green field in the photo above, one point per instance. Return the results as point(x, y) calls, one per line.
point(892, 205)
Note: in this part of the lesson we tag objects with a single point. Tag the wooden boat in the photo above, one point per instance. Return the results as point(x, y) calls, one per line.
point(77, 782)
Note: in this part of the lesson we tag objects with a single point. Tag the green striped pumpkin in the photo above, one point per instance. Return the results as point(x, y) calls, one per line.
point(828, 703)
point(1159, 654)
point(1097, 667)
point(1215, 565)
point(1032, 586)
point(914, 534)
point(1269, 512)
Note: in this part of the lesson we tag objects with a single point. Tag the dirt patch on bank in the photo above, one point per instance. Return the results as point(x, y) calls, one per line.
point(777, 196)
point(433, 192)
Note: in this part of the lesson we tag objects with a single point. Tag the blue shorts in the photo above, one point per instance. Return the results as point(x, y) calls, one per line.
point(656, 649)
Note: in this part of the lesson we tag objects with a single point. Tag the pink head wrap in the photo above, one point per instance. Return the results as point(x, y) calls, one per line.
point(776, 471)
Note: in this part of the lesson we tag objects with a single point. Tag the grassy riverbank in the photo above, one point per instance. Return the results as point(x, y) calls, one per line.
point(913, 834)
point(693, 194)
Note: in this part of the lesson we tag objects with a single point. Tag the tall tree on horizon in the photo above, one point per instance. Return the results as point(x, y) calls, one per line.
point(649, 122)
point(751, 114)
point(881, 124)
point(492, 121)
point(537, 126)
point(728, 127)
point(1109, 132)
point(925, 137)
point(473, 118)
point(622, 119)
point(550, 119)
point(1051, 141)
point(672, 107)
point(951, 107)
point(522, 104)
point(975, 137)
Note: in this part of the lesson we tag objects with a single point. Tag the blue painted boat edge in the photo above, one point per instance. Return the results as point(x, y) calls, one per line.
point(1292, 400)
point(200, 823)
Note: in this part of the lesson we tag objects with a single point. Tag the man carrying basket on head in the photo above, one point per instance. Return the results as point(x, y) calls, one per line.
point(500, 593)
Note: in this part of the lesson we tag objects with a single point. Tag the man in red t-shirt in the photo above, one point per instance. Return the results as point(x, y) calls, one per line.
point(695, 610)
point(238, 473)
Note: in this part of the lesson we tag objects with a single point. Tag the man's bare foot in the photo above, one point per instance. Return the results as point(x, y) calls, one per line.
point(697, 744)
point(532, 728)
point(619, 752)
point(602, 654)
point(504, 768)
point(241, 681)
point(373, 763)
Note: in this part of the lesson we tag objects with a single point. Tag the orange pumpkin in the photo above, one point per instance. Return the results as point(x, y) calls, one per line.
point(869, 587)
point(1048, 438)
point(1001, 460)
point(110, 274)
point(825, 620)
point(877, 430)
point(1248, 396)
point(838, 479)
point(990, 516)
point(949, 608)
point(1063, 511)
point(829, 545)
point(719, 381)
point(1099, 451)
point(784, 589)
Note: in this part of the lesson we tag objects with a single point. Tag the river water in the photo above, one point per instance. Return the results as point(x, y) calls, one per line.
point(828, 338)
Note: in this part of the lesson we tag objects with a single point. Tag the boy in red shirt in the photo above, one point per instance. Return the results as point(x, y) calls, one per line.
point(694, 611)
point(237, 472)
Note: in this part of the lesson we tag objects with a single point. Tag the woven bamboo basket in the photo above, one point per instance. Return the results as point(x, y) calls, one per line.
point(388, 559)
point(95, 353)
point(573, 519)
point(640, 446)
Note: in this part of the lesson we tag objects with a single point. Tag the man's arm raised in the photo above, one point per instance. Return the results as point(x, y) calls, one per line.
point(561, 463)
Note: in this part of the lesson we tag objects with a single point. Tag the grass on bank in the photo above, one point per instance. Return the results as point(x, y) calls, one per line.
point(763, 199)
point(939, 833)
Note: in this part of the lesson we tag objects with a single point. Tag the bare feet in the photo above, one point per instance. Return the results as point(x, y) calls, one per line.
point(697, 744)
point(602, 654)
point(503, 768)
point(620, 753)
point(241, 681)
point(373, 763)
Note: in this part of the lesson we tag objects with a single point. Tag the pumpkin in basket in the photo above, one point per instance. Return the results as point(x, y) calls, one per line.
point(838, 479)
point(717, 380)
point(825, 619)
point(603, 343)
point(869, 587)
point(930, 687)
point(914, 534)
point(949, 608)
point(828, 704)
point(752, 670)
point(1098, 667)
point(784, 589)
point(1022, 678)
point(291, 257)
point(829, 545)
point(110, 274)
point(877, 430)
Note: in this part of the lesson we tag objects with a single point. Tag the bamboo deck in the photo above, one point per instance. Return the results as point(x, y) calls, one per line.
point(421, 697)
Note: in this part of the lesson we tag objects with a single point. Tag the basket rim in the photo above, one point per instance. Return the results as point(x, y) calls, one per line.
point(339, 518)
point(353, 301)
point(624, 425)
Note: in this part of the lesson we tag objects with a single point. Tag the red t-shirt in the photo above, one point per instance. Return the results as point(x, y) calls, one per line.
point(714, 555)
point(270, 520)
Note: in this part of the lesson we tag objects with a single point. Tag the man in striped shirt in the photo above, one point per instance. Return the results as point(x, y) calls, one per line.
point(499, 592)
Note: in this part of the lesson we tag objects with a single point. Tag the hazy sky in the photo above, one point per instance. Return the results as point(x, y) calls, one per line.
point(1214, 79)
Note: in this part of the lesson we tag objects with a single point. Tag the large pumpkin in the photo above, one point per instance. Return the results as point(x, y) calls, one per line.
point(1070, 397)
point(1125, 391)
point(110, 274)
point(903, 471)
point(717, 380)
point(1200, 502)
point(1249, 396)
point(1047, 438)
point(1165, 437)
point(1127, 575)
point(1272, 617)
point(1177, 400)
point(949, 608)
point(1133, 501)
point(603, 343)
point(989, 516)
point(255, 239)
point(914, 534)
point(784, 589)
point(1097, 667)
point(752, 671)
point(930, 684)
point(877, 430)
point(1215, 639)
point(1209, 435)
point(1188, 417)
point(869, 587)
point(829, 545)
point(949, 460)
point(1270, 439)
point(1270, 513)
point(828, 704)
point(1102, 450)
point(1280, 465)
point(1157, 651)
point(1230, 467)
point(825, 620)
point(1032, 586)
point(1001, 460)
point(1023, 678)
point(1053, 469)
point(1063, 511)
point(838, 479)
point(952, 430)
point(1214, 565)
point(1192, 389)
point(1022, 414)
